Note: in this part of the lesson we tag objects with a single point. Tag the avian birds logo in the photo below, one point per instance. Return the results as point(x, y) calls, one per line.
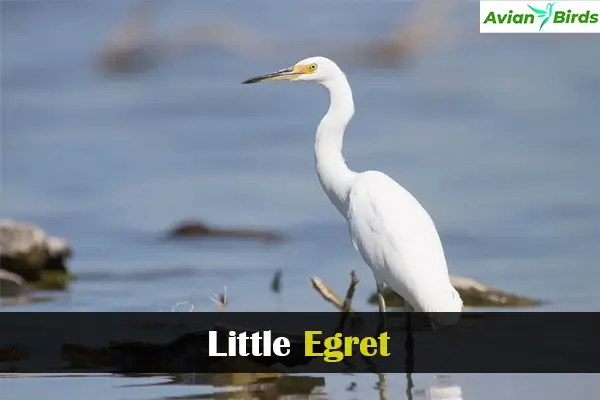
point(545, 14)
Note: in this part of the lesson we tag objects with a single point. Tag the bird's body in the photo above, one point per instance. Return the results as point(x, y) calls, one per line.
point(398, 240)
point(390, 229)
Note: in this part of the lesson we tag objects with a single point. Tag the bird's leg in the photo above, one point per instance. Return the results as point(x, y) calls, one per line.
point(409, 347)
point(409, 386)
point(382, 327)
point(382, 311)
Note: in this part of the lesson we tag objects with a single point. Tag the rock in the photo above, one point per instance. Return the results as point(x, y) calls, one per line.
point(131, 47)
point(11, 285)
point(473, 294)
point(189, 229)
point(38, 258)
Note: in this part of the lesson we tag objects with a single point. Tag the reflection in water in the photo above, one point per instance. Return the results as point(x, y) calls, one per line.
point(267, 386)
point(382, 386)
point(443, 389)
point(271, 386)
point(149, 275)
point(30, 299)
point(409, 386)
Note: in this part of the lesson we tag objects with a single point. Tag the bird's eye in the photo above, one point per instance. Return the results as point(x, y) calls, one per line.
point(313, 67)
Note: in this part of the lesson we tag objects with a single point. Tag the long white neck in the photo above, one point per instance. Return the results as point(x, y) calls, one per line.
point(334, 175)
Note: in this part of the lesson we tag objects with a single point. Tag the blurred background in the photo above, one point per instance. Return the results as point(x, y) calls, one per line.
point(122, 119)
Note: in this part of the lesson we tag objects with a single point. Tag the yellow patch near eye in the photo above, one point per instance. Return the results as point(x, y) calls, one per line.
point(305, 69)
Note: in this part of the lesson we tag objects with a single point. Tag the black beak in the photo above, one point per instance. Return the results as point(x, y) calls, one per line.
point(273, 76)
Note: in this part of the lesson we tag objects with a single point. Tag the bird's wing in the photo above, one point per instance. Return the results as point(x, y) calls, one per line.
point(539, 12)
point(399, 241)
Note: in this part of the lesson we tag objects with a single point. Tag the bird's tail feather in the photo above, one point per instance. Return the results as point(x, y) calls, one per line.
point(444, 319)
point(450, 315)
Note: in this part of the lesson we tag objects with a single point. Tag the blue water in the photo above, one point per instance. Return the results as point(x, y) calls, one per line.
point(496, 135)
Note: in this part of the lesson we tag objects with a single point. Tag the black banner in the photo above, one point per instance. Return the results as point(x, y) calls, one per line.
point(494, 342)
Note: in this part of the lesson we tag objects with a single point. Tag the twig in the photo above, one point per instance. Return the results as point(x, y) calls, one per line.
point(330, 296)
point(346, 305)
point(326, 293)
point(220, 300)
point(180, 303)
point(350, 292)
point(276, 282)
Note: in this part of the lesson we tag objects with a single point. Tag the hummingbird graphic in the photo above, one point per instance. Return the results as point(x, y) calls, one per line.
point(546, 14)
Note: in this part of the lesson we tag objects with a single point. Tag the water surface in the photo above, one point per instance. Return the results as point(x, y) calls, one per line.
point(496, 135)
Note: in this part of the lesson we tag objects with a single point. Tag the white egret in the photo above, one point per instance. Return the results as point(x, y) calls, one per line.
point(392, 231)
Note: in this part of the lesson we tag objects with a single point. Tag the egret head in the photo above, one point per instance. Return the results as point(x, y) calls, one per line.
point(316, 69)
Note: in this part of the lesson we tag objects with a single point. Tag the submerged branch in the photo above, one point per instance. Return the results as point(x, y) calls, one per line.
point(344, 306)
point(347, 304)
point(327, 294)
point(220, 300)
point(350, 292)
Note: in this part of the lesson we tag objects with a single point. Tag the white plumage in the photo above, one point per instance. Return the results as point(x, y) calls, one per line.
point(398, 240)
point(390, 229)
